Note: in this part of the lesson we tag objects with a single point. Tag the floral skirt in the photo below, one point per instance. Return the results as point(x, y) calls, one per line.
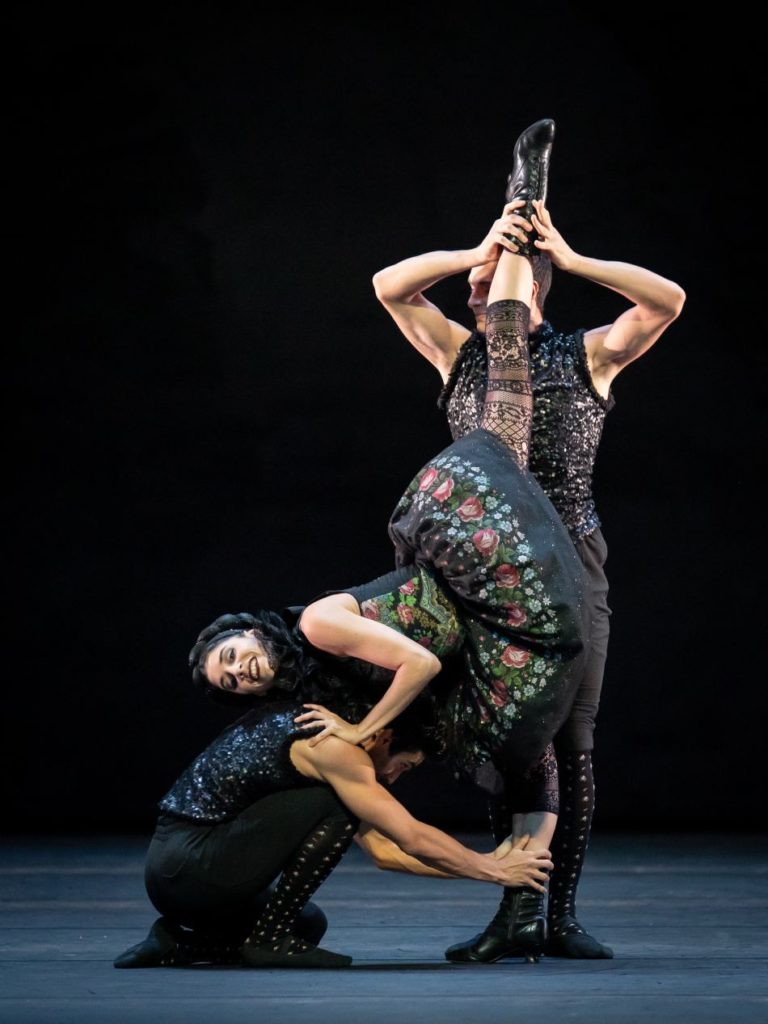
point(488, 572)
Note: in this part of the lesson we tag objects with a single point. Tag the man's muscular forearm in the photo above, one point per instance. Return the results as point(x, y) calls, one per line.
point(640, 286)
point(403, 281)
point(389, 857)
point(438, 850)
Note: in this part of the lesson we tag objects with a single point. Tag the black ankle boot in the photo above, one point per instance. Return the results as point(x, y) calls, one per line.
point(159, 949)
point(168, 945)
point(530, 173)
point(518, 929)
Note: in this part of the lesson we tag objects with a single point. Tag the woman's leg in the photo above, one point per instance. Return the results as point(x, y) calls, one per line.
point(519, 925)
point(508, 405)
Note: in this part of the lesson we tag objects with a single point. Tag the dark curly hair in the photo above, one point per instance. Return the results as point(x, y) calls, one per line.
point(291, 663)
point(416, 728)
point(297, 670)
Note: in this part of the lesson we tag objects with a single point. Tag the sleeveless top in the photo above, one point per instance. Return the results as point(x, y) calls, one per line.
point(250, 759)
point(568, 417)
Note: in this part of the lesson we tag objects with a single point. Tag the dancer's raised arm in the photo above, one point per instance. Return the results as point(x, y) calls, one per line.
point(400, 288)
point(657, 302)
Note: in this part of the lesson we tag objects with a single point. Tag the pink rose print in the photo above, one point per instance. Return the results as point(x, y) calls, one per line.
point(409, 587)
point(370, 610)
point(507, 576)
point(486, 542)
point(405, 614)
point(470, 509)
point(425, 641)
point(444, 490)
point(499, 693)
point(428, 479)
point(513, 657)
point(515, 614)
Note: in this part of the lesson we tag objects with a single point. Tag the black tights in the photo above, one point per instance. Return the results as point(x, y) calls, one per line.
point(569, 846)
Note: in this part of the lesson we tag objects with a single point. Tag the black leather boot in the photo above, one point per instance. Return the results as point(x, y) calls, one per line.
point(530, 173)
point(518, 929)
point(168, 945)
point(159, 949)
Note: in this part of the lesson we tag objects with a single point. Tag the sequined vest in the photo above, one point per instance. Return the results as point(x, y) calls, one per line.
point(247, 761)
point(568, 417)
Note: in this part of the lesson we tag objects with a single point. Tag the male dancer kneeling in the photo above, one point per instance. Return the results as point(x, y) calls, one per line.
point(261, 802)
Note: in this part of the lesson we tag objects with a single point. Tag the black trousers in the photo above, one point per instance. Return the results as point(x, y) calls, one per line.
point(578, 731)
point(216, 878)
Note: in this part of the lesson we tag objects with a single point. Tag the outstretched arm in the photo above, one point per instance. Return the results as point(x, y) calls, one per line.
point(349, 770)
point(400, 290)
point(388, 856)
point(657, 302)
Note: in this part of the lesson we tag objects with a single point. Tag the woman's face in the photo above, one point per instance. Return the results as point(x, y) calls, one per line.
point(239, 664)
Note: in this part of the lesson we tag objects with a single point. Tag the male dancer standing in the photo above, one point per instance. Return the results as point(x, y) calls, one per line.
point(572, 376)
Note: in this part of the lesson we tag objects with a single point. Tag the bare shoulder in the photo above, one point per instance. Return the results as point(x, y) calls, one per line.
point(612, 347)
point(595, 338)
point(430, 332)
point(601, 370)
point(332, 757)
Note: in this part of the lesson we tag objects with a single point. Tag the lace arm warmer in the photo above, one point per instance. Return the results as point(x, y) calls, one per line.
point(509, 397)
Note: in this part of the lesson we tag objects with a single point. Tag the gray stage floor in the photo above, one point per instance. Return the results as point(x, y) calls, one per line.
point(686, 916)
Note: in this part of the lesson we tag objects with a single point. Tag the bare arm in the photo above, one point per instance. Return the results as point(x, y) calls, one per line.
point(400, 290)
point(388, 856)
point(349, 770)
point(657, 302)
point(334, 624)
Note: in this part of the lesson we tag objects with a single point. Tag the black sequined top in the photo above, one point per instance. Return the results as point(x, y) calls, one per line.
point(568, 417)
point(247, 761)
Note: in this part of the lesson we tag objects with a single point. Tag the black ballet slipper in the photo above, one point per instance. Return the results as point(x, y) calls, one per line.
point(291, 952)
point(518, 930)
point(568, 939)
point(529, 178)
point(160, 949)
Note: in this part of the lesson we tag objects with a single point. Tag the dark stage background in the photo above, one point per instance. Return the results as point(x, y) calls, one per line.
point(213, 413)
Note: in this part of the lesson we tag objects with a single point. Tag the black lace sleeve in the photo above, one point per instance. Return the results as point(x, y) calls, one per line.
point(508, 404)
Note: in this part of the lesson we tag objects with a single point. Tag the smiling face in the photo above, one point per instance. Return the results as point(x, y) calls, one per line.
point(239, 664)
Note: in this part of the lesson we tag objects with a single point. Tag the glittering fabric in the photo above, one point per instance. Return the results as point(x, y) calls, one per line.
point(247, 761)
point(568, 417)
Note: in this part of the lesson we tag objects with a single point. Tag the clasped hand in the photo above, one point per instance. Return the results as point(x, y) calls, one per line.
point(523, 867)
point(333, 725)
